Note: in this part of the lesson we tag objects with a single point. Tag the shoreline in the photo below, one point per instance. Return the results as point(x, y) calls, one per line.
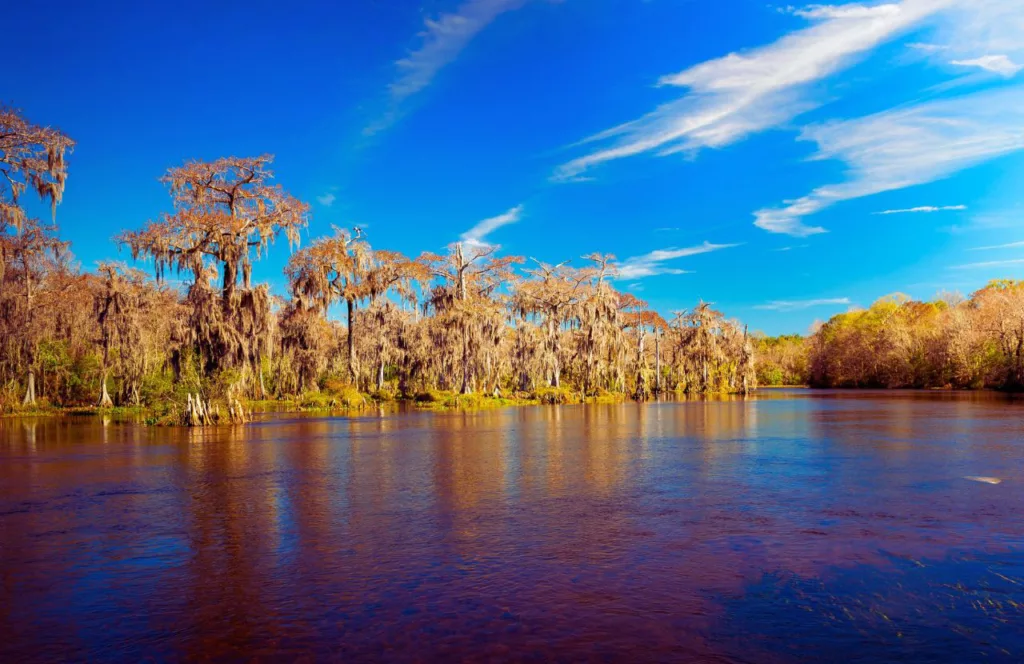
point(166, 414)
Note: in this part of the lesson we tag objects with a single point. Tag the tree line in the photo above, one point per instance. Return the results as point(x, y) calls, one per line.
point(468, 321)
point(952, 342)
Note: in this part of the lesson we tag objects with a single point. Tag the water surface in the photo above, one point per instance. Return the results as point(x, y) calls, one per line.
point(796, 526)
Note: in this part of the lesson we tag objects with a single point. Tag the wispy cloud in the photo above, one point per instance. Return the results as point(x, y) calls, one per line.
point(997, 64)
point(986, 264)
point(441, 42)
point(927, 48)
point(477, 236)
point(981, 30)
point(734, 96)
point(1008, 245)
point(926, 208)
point(800, 305)
point(823, 12)
point(327, 200)
point(653, 263)
point(905, 147)
point(983, 35)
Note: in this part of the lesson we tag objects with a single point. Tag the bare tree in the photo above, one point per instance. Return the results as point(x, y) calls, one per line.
point(465, 304)
point(226, 215)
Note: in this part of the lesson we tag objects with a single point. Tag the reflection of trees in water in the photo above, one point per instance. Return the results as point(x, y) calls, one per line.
point(605, 449)
point(233, 524)
point(893, 425)
point(471, 459)
point(53, 434)
point(29, 429)
point(554, 454)
point(706, 434)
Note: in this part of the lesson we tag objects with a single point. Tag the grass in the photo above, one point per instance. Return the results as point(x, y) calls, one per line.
point(442, 400)
point(341, 398)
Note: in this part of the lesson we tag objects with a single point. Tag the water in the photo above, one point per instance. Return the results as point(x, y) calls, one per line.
point(799, 526)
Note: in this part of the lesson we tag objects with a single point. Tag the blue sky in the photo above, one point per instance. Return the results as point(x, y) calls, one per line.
point(784, 162)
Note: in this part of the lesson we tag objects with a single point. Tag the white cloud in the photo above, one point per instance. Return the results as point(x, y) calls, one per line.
point(926, 208)
point(1008, 245)
point(822, 12)
point(327, 200)
point(905, 147)
point(986, 264)
point(983, 27)
point(787, 220)
point(928, 48)
point(997, 64)
point(476, 236)
point(652, 263)
point(734, 96)
point(799, 305)
point(442, 40)
point(985, 34)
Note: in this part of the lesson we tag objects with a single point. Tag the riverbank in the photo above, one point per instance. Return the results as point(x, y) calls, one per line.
point(352, 402)
point(344, 401)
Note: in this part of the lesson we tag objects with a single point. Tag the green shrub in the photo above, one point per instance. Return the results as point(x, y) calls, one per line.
point(556, 395)
point(384, 395)
point(430, 396)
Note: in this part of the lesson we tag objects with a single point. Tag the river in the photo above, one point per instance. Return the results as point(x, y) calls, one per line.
point(792, 526)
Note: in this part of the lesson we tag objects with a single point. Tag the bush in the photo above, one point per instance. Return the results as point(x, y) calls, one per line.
point(317, 401)
point(350, 397)
point(556, 395)
point(603, 396)
point(336, 395)
point(430, 396)
point(384, 395)
point(334, 384)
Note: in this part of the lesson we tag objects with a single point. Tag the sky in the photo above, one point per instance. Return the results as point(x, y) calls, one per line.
point(785, 162)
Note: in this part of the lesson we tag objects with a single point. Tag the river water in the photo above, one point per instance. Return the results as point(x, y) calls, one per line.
point(795, 526)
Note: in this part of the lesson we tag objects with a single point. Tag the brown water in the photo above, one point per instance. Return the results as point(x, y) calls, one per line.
point(793, 527)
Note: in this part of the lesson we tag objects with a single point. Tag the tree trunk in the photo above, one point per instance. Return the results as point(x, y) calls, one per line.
point(467, 388)
point(105, 400)
point(641, 379)
point(556, 370)
point(350, 306)
point(380, 374)
point(588, 380)
point(30, 391)
point(228, 287)
point(657, 360)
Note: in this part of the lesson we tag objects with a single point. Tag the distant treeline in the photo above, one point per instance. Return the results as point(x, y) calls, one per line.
point(898, 342)
point(468, 321)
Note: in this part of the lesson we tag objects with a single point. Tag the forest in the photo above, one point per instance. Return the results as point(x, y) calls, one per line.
point(952, 342)
point(430, 328)
point(453, 328)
